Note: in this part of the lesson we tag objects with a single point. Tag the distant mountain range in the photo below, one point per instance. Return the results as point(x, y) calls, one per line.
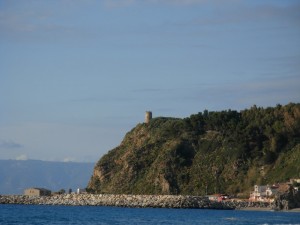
point(17, 175)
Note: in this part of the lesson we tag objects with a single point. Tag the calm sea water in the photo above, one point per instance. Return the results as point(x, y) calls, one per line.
point(42, 215)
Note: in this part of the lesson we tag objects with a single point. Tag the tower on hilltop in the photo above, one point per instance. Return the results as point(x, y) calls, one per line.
point(148, 116)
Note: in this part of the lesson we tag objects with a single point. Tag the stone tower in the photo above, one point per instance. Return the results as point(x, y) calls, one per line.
point(148, 116)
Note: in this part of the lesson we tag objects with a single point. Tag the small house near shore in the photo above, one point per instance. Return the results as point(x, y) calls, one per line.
point(37, 192)
point(267, 192)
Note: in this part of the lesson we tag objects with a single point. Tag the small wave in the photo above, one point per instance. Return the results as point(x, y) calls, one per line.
point(231, 218)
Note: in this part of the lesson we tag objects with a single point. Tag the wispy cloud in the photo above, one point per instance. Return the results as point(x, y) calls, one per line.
point(4, 144)
point(191, 2)
point(124, 3)
point(31, 22)
point(36, 20)
point(149, 90)
point(103, 99)
point(263, 92)
point(241, 13)
point(118, 3)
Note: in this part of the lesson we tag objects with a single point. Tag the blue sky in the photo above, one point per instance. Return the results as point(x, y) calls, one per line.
point(76, 75)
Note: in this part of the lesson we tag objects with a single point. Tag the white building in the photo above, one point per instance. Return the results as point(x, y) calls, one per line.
point(263, 193)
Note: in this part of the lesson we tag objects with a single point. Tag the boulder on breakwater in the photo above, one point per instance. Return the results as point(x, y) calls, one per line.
point(137, 201)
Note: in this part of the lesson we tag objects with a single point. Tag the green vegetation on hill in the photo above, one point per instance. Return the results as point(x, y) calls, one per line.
point(209, 152)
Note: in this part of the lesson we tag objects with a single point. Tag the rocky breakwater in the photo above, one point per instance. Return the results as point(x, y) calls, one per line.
point(244, 204)
point(137, 201)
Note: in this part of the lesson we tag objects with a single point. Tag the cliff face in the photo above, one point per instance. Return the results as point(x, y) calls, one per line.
point(208, 152)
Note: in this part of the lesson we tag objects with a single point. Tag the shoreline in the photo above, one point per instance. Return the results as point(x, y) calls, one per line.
point(255, 209)
point(295, 210)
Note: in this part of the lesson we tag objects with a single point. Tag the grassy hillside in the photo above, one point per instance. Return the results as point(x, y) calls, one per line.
point(208, 152)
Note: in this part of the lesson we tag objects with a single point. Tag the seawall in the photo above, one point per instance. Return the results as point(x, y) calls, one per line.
point(137, 201)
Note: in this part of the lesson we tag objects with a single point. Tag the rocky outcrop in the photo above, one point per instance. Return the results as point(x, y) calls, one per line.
point(137, 201)
point(287, 200)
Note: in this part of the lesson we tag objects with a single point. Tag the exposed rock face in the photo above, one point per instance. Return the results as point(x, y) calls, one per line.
point(165, 186)
point(287, 200)
point(138, 201)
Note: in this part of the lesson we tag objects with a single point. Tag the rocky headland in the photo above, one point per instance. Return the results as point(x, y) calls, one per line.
point(206, 153)
point(136, 201)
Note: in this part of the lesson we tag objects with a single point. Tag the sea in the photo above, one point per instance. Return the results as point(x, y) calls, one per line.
point(45, 214)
